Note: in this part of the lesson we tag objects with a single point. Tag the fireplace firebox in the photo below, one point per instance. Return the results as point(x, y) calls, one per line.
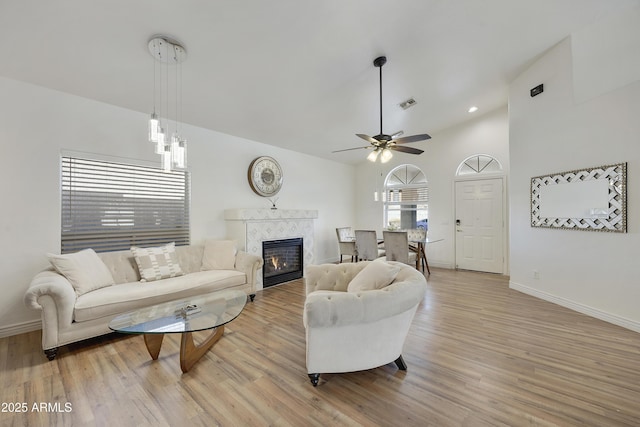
point(282, 261)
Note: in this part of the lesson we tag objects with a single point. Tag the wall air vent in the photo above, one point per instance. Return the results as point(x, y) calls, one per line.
point(408, 103)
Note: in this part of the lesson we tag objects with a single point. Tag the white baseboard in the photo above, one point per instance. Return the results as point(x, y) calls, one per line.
point(584, 309)
point(20, 328)
point(447, 265)
point(330, 260)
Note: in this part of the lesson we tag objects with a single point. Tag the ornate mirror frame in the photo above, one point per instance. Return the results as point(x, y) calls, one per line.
point(612, 218)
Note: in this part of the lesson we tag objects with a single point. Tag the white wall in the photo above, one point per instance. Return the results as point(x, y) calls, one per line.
point(37, 123)
point(560, 130)
point(487, 134)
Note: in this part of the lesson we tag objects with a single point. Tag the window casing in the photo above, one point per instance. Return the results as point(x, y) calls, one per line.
point(406, 198)
point(479, 164)
point(111, 206)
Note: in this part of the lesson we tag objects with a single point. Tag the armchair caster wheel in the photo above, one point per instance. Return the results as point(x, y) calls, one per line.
point(252, 297)
point(314, 379)
point(51, 353)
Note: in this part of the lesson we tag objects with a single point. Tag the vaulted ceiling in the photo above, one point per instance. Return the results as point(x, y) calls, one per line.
point(294, 73)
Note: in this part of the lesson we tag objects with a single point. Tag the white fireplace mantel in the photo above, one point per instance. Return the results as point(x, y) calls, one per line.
point(251, 227)
point(268, 214)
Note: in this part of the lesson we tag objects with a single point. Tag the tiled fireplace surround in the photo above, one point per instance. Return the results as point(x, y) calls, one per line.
point(250, 227)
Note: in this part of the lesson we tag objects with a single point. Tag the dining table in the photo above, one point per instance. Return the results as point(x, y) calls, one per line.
point(419, 246)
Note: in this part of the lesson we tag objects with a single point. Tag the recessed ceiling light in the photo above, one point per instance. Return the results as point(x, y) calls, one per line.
point(473, 109)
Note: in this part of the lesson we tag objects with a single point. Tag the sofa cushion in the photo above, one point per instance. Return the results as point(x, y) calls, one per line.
point(130, 296)
point(84, 270)
point(219, 255)
point(157, 263)
point(376, 275)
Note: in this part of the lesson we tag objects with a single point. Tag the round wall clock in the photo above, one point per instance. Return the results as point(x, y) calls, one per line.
point(265, 176)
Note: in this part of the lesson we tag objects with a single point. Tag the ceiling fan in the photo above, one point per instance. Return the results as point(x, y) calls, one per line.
point(382, 144)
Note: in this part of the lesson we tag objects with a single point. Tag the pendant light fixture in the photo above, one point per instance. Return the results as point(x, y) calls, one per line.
point(168, 54)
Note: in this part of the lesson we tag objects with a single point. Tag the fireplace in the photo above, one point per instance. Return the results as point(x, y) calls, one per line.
point(282, 261)
point(251, 227)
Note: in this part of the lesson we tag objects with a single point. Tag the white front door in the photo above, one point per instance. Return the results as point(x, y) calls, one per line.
point(479, 225)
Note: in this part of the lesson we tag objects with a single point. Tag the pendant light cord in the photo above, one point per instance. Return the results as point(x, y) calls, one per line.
point(154, 86)
point(380, 99)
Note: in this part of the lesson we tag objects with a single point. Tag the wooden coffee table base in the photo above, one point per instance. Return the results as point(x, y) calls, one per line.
point(190, 353)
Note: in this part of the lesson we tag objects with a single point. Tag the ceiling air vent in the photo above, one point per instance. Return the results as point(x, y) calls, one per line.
point(408, 103)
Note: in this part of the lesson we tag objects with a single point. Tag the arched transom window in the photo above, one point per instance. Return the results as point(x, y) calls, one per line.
point(406, 198)
point(479, 163)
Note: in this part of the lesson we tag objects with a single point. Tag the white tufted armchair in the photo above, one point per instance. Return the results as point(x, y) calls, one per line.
point(352, 331)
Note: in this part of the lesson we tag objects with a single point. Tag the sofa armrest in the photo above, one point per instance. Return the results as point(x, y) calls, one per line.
point(54, 285)
point(336, 308)
point(249, 265)
point(53, 294)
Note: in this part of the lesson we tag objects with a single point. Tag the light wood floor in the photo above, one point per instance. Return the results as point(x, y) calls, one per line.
point(478, 354)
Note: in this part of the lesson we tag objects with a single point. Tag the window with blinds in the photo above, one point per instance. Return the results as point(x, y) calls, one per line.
point(112, 206)
point(407, 195)
point(406, 198)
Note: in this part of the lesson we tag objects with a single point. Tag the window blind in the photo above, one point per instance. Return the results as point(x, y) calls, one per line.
point(407, 195)
point(111, 206)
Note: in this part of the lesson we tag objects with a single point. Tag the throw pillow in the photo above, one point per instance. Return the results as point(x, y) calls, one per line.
point(157, 263)
point(219, 255)
point(376, 275)
point(84, 270)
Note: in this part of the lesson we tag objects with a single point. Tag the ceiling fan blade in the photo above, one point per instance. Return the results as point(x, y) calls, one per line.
point(355, 148)
point(397, 134)
point(404, 149)
point(368, 138)
point(412, 138)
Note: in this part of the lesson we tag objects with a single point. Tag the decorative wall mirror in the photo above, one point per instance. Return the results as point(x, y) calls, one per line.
point(593, 199)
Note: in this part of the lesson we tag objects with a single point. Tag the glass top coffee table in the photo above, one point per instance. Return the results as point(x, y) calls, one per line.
point(183, 316)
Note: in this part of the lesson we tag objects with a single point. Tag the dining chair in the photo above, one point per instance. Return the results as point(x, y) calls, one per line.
point(347, 242)
point(417, 241)
point(417, 234)
point(367, 246)
point(396, 245)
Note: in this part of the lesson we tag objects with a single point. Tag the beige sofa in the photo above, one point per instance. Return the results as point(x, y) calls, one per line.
point(68, 317)
point(357, 326)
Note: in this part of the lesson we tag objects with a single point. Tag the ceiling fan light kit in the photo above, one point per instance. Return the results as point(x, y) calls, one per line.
point(382, 144)
point(373, 156)
point(386, 155)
